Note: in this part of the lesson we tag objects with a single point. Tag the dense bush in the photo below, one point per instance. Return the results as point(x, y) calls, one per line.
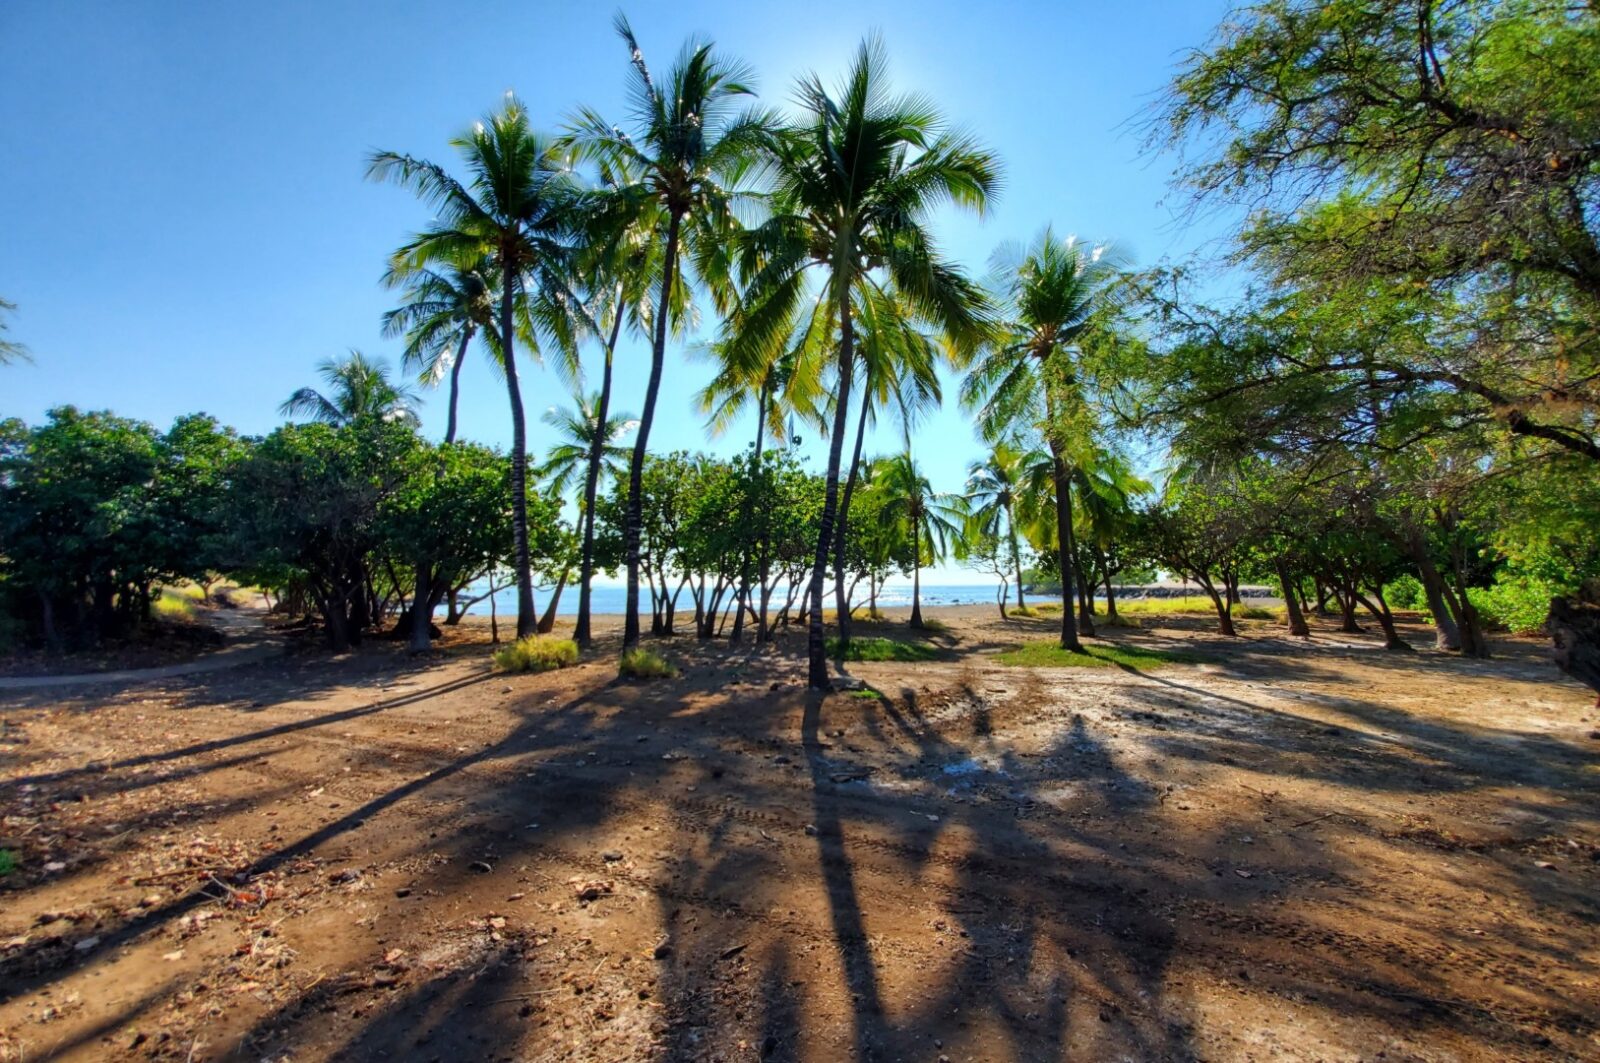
point(645, 664)
point(536, 654)
point(1519, 604)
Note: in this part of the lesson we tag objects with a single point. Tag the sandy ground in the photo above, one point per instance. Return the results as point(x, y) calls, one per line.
point(1292, 850)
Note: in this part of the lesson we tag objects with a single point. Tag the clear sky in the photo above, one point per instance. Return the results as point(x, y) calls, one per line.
point(185, 225)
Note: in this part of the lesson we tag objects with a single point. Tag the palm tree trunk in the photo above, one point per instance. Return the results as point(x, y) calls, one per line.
point(635, 512)
point(841, 600)
point(455, 384)
point(1016, 557)
point(1069, 628)
point(581, 631)
point(527, 617)
point(547, 622)
point(916, 575)
point(816, 645)
point(743, 593)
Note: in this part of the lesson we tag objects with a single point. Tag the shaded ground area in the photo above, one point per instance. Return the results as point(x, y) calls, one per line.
point(1280, 850)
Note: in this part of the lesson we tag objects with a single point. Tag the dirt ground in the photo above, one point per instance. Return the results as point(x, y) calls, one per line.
point(1289, 850)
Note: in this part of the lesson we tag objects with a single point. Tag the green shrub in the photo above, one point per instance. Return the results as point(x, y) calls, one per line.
point(1024, 611)
point(1051, 655)
point(172, 604)
point(8, 862)
point(645, 664)
point(1406, 592)
point(884, 650)
point(1519, 604)
point(535, 654)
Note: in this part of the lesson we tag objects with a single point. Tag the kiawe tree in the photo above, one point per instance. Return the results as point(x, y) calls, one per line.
point(853, 186)
point(517, 211)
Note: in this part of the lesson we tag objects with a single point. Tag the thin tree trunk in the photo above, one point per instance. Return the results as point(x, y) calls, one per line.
point(527, 618)
point(916, 579)
point(1297, 621)
point(842, 605)
point(581, 630)
point(547, 622)
point(1446, 634)
point(422, 611)
point(1016, 559)
point(1069, 628)
point(455, 384)
point(816, 645)
point(635, 511)
point(747, 508)
point(1224, 618)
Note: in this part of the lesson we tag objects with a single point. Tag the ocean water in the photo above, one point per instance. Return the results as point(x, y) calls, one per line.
point(612, 598)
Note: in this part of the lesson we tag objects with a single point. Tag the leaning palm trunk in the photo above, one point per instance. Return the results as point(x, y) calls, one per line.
point(816, 644)
point(455, 385)
point(635, 512)
point(591, 485)
point(1016, 557)
point(527, 615)
point(1069, 628)
point(547, 622)
point(841, 599)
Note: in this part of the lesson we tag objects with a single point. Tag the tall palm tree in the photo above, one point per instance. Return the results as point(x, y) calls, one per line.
point(1053, 296)
point(929, 520)
point(689, 152)
point(853, 188)
point(357, 386)
point(10, 350)
point(995, 487)
point(517, 211)
point(439, 314)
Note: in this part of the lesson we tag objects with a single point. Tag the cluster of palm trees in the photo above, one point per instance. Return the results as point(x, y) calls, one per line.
point(809, 234)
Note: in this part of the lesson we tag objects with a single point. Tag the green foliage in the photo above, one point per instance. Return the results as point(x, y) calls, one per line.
point(1051, 655)
point(640, 663)
point(1518, 604)
point(8, 862)
point(1405, 592)
point(536, 654)
point(881, 649)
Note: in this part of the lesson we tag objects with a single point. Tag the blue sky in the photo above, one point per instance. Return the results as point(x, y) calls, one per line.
point(185, 223)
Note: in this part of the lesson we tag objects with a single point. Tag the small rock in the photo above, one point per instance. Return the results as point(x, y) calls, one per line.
point(662, 950)
point(505, 690)
point(1242, 873)
point(349, 874)
point(403, 891)
point(86, 944)
point(811, 830)
point(611, 856)
point(483, 867)
point(1544, 865)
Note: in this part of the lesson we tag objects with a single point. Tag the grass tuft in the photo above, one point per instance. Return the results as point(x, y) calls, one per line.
point(1025, 610)
point(884, 650)
point(645, 664)
point(535, 654)
point(1051, 655)
point(177, 603)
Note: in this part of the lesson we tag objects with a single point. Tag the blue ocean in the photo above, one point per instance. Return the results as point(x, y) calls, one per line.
point(610, 598)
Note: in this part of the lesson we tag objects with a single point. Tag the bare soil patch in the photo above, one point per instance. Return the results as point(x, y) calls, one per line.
point(1285, 850)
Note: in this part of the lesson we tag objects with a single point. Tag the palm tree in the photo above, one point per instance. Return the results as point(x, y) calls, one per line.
point(440, 312)
point(929, 520)
point(854, 186)
point(10, 350)
point(1053, 294)
point(690, 151)
point(994, 492)
point(582, 434)
point(357, 387)
point(517, 211)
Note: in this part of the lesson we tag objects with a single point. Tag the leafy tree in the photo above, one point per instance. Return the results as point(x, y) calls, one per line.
point(854, 184)
point(517, 212)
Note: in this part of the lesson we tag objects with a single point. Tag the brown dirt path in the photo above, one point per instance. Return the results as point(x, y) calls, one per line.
point(1288, 851)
